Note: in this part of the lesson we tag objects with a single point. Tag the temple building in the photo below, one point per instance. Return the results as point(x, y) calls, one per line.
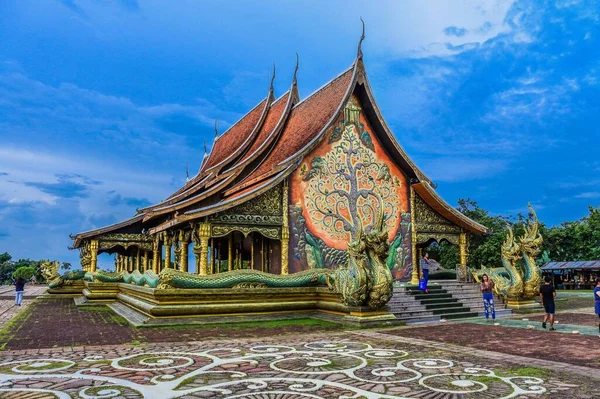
point(286, 188)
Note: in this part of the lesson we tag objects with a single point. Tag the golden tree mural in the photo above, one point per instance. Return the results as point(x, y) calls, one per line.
point(348, 187)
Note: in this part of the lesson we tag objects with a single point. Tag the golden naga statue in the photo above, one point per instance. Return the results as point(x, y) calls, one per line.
point(366, 280)
point(49, 269)
point(530, 245)
point(517, 280)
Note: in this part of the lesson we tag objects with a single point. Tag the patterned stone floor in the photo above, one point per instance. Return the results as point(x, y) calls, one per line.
point(8, 309)
point(336, 365)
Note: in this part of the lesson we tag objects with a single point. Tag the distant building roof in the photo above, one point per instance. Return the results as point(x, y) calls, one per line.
point(584, 264)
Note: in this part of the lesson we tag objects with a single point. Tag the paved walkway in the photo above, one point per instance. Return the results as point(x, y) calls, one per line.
point(8, 309)
point(365, 364)
point(525, 322)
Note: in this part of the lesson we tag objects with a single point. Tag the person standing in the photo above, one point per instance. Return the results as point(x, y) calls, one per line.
point(597, 299)
point(19, 290)
point(424, 264)
point(487, 288)
point(547, 293)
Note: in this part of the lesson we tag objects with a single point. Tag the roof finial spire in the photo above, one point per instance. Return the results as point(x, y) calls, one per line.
point(187, 172)
point(216, 129)
point(272, 78)
point(294, 81)
point(359, 54)
point(205, 151)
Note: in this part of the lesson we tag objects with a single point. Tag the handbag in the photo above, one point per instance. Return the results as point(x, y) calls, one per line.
point(422, 284)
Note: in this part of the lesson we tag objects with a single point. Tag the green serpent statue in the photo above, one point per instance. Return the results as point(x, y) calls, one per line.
point(171, 278)
point(147, 279)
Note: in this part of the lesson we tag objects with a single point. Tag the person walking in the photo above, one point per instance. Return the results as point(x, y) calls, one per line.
point(424, 263)
point(597, 299)
point(19, 290)
point(547, 293)
point(487, 288)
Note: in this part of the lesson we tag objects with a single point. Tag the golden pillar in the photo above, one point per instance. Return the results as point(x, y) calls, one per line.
point(413, 230)
point(230, 253)
point(94, 253)
point(156, 255)
point(462, 246)
point(184, 242)
point(285, 231)
point(137, 259)
point(168, 242)
point(251, 235)
point(203, 236)
point(145, 261)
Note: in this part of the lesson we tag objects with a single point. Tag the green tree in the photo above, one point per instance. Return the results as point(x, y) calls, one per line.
point(24, 272)
point(484, 249)
point(7, 267)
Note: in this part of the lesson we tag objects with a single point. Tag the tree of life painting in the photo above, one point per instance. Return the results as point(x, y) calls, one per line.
point(348, 188)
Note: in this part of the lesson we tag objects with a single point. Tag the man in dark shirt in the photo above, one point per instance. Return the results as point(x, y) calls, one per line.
point(547, 293)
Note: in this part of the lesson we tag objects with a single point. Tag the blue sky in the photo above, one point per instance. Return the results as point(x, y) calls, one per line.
point(103, 103)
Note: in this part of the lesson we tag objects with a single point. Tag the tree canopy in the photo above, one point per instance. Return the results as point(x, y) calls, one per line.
point(570, 241)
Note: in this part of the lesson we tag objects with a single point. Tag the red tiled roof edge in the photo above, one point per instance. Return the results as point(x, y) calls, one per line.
point(227, 176)
point(192, 186)
point(253, 178)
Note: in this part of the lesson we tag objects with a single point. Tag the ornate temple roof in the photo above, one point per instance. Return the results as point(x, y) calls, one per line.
point(265, 146)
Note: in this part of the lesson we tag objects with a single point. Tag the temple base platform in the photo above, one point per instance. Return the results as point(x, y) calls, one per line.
point(522, 303)
point(71, 289)
point(149, 307)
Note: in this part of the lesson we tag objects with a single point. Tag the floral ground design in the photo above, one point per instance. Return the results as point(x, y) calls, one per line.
point(340, 368)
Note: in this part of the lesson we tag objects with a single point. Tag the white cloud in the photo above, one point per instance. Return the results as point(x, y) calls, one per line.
point(417, 29)
point(455, 169)
point(588, 195)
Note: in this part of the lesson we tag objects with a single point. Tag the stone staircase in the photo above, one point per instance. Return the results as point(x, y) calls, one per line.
point(446, 299)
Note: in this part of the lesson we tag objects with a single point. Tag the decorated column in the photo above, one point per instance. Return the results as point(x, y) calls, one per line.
point(462, 274)
point(168, 240)
point(94, 253)
point(413, 230)
point(184, 242)
point(145, 261)
point(201, 248)
point(285, 231)
point(156, 255)
point(137, 259)
point(462, 245)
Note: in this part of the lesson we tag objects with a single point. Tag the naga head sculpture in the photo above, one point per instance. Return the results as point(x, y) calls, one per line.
point(510, 249)
point(531, 241)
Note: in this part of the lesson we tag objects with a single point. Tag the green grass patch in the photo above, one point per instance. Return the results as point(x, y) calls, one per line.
point(51, 365)
point(525, 372)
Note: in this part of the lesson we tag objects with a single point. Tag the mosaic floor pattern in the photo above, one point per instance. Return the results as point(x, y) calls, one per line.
point(344, 368)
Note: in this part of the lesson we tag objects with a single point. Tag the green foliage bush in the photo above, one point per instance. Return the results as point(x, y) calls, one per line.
point(24, 272)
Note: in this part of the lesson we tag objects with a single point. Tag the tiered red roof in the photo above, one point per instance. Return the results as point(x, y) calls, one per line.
point(266, 145)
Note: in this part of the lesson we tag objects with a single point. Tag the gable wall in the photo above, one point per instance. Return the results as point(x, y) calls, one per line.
point(340, 188)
